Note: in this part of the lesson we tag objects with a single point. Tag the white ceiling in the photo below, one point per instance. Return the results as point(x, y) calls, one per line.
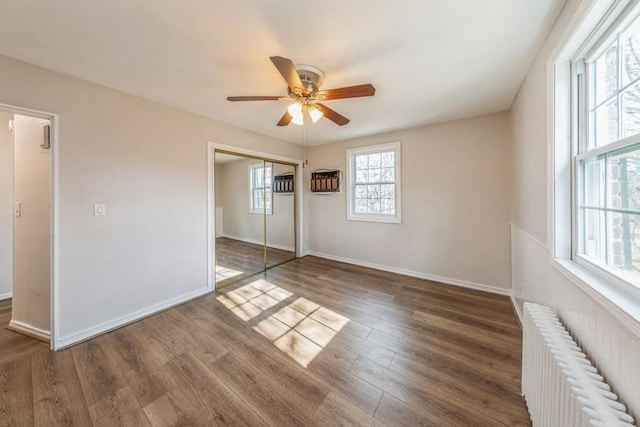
point(430, 60)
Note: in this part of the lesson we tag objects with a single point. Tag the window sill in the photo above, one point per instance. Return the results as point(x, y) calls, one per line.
point(380, 219)
point(620, 304)
point(261, 212)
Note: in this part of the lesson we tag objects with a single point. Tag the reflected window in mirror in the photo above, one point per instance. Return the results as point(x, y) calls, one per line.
point(260, 177)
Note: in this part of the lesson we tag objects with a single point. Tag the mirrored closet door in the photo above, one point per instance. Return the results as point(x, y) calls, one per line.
point(254, 215)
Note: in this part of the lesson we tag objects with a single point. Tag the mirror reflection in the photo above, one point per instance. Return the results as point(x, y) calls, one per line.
point(254, 216)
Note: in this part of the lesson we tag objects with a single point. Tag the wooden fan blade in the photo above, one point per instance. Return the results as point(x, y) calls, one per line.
point(330, 114)
point(253, 98)
point(347, 92)
point(285, 120)
point(288, 71)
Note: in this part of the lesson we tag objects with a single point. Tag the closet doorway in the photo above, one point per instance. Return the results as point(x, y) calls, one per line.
point(254, 207)
point(25, 232)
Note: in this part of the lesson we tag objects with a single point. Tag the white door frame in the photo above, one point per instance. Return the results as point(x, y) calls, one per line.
point(299, 185)
point(54, 210)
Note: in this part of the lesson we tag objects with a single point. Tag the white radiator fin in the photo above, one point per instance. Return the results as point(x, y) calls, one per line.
point(560, 385)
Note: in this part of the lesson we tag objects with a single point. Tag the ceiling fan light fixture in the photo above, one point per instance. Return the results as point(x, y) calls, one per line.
point(315, 113)
point(296, 112)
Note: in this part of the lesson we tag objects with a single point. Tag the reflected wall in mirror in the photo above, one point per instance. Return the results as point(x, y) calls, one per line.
point(239, 225)
point(254, 225)
point(281, 238)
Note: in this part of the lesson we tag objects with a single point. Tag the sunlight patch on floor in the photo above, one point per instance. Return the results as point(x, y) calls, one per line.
point(224, 273)
point(250, 300)
point(301, 330)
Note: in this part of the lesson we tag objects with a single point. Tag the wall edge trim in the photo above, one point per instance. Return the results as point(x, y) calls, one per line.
point(105, 327)
point(258, 242)
point(6, 296)
point(416, 274)
point(29, 330)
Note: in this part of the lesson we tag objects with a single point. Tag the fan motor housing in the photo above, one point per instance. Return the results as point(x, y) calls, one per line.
point(311, 77)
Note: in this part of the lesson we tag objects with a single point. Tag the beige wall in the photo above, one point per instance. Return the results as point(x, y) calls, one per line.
point(234, 199)
point(148, 163)
point(614, 348)
point(6, 206)
point(455, 205)
point(32, 256)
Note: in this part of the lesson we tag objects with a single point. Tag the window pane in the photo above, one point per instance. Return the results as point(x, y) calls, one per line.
point(606, 123)
point(388, 159)
point(594, 235)
point(362, 176)
point(594, 182)
point(388, 206)
point(374, 160)
point(631, 52)
point(623, 252)
point(607, 73)
point(374, 206)
point(623, 167)
point(361, 162)
point(388, 175)
point(631, 110)
point(361, 191)
point(373, 191)
point(387, 191)
point(361, 206)
point(374, 175)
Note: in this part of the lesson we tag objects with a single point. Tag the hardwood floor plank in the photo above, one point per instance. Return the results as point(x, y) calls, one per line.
point(395, 412)
point(16, 394)
point(504, 405)
point(121, 409)
point(15, 346)
point(58, 398)
point(276, 407)
point(99, 373)
point(336, 411)
point(350, 387)
point(205, 398)
point(280, 371)
point(432, 400)
point(198, 341)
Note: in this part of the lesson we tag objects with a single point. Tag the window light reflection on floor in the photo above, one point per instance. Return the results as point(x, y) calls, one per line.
point(224, 273)
point(301, 329)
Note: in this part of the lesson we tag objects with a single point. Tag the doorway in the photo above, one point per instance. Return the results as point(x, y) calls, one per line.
point(255, 207)
point(25, 232)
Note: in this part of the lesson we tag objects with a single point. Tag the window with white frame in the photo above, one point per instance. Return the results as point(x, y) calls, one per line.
point(607, 150)
point(373, 175)
point(260, 191)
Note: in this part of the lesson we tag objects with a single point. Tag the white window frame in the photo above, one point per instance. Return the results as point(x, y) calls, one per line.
point(583, 88)
point(615, 296)
point(267, 188)
point(351, 183)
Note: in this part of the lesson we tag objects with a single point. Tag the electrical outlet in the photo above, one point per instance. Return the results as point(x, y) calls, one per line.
point(18, 209)
point(99, 209)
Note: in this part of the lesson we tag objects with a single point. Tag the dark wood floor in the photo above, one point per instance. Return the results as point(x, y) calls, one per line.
point(13, 345)
point(312, 342)
point(236, 260)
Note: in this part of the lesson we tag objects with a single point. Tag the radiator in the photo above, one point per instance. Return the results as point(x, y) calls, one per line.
point(559, 383)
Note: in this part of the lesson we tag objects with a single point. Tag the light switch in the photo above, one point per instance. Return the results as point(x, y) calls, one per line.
point(99, 209)
point(18, 209)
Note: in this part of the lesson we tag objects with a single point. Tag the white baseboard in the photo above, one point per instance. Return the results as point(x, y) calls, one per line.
point(29, 330)
point(259, 242)
point(102, 328)
point(6, 296)
point(418, 274)
point(516, 307)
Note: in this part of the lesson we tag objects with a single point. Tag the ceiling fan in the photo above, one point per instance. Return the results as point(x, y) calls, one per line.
point(304, 92)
